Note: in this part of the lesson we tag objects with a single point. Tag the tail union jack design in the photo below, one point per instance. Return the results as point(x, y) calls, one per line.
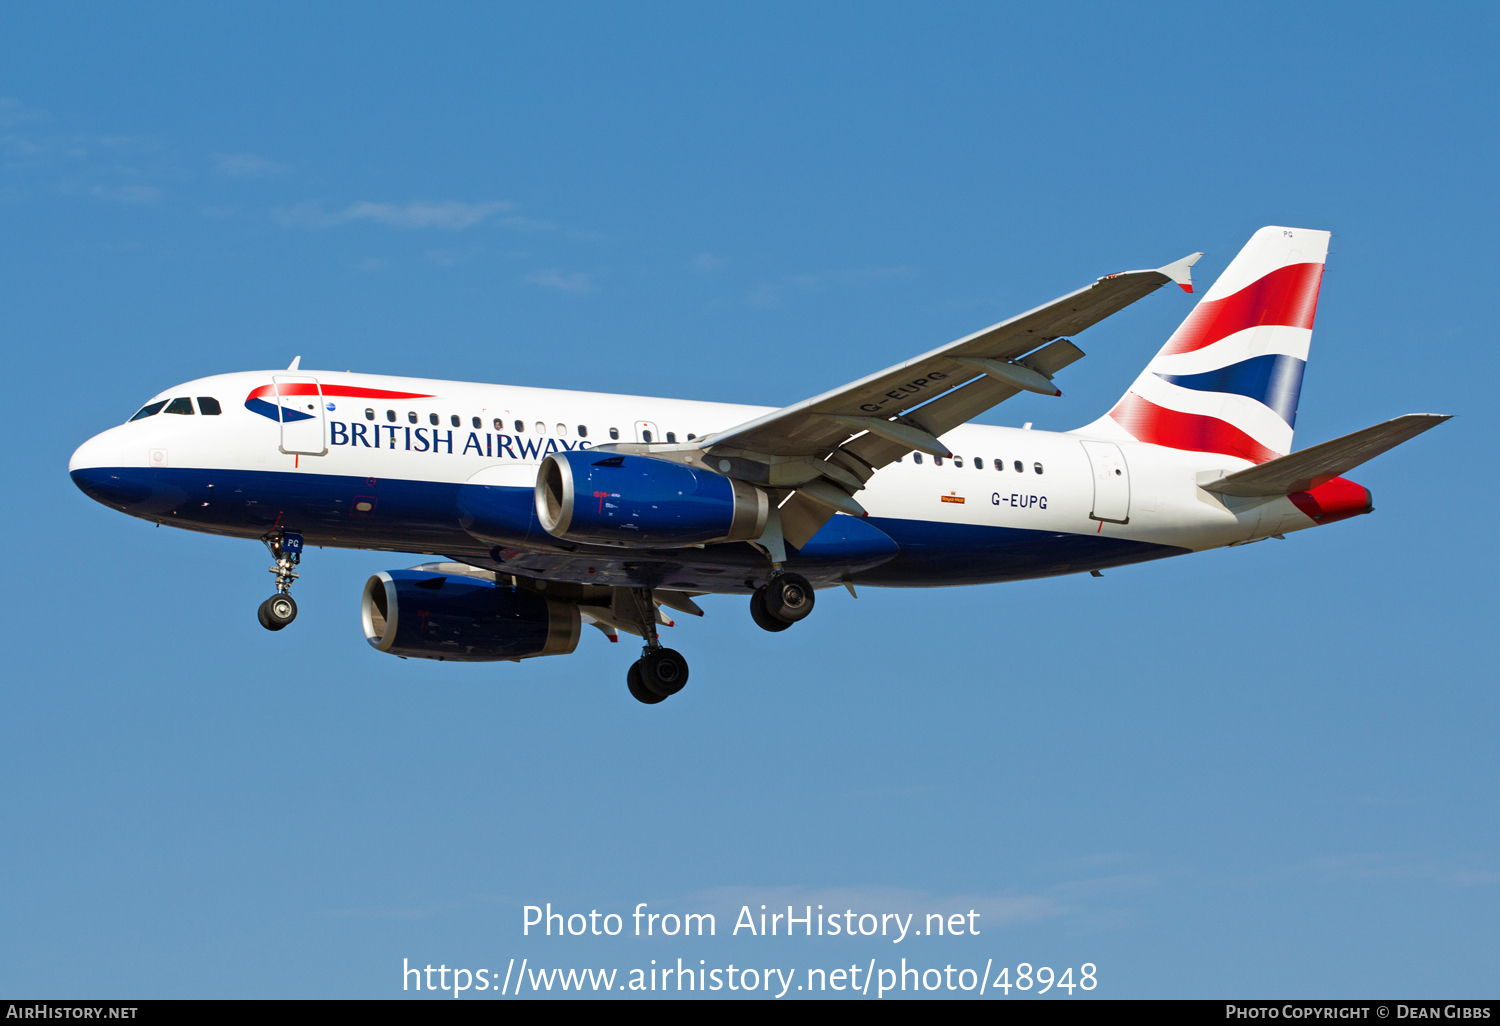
point(1228, 379)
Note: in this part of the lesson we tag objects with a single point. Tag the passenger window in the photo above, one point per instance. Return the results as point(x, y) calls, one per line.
point(390, 415)
point(999, 464)
point(916, 457)
point(646, 437)
point(671, 436)
point(958, 461)
point(1037, 467)
point(453, 419)
point(520, 427)
point(411, 416)
point(541, 428)
point(499, 424)
point(937, 461)
point(614, 433)
point(691, 436)
point(369, 414)
point(583, 431)
point(183, 405)
point(1020, 467)
point(978, 463)
point(478, 423)
point(149, 410)
point(209, 406)
point(562, 430)
point(432, 418)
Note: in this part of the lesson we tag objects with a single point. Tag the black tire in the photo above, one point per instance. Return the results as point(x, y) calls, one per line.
point(637, 686)
point(789, 597)
point(664, 671)
point(764, 620)
point(276, 612)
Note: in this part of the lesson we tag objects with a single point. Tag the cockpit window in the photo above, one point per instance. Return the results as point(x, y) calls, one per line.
point(149, 410)
point(180, 405)
point(209, 406)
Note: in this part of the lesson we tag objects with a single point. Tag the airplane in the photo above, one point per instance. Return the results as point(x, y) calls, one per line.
point(549, 510)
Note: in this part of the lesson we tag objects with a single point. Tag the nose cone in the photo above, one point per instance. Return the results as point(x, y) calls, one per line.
point(101, 472)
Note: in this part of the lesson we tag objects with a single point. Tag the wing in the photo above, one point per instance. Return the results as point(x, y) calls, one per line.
point(825, 448)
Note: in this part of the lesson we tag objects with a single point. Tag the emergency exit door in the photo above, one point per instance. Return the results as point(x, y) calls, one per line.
point(1111, 482)
point(299, 401)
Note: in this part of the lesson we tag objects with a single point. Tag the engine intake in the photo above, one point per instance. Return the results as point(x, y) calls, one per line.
point(607, 499)
point(424, 614)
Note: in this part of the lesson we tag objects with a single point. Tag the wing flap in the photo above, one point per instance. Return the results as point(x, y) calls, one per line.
point(1318, 464)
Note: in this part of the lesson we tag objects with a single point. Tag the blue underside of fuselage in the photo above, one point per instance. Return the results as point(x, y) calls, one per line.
point(496, 528)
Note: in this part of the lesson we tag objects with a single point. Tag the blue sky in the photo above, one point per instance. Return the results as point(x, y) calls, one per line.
point(1265, 771)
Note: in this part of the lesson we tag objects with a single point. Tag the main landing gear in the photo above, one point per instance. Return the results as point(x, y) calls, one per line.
point(280, 609)
point(660, 672)
point(781, 601)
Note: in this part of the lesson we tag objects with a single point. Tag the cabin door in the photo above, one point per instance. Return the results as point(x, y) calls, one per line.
point(299, 401)
point(1111, 482)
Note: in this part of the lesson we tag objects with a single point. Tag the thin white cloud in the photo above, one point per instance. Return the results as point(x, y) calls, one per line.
point(526, 224)
point(14, 112)
point(1467, 871)
point(247, 165)
point(424, 215)
point(127, 193)
point(553, 278)
point(770, 294)
point(421, 214)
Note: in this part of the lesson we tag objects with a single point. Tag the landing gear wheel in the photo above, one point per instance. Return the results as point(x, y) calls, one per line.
point(789, 597)
point(276, 612)
point(764, 620)
point(663, 671)
point(638, 688)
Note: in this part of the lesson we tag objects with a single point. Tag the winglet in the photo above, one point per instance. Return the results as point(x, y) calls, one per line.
point(1182, 271)
point(296, 361)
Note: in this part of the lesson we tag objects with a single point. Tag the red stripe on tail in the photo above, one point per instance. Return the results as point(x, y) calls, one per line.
point(1192, 431)
point(1288, 296)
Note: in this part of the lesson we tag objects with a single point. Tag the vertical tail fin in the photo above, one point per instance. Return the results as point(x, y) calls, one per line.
point(1228, 379)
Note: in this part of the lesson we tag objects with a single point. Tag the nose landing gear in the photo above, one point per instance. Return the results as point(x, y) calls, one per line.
point(660, 672)
point(280, 609)
point(781, 602)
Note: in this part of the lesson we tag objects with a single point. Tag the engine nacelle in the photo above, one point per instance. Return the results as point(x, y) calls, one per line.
point(613, 499)
point(426, 614)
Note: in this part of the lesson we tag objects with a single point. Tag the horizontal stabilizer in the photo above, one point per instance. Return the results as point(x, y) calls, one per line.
point(1317, 465)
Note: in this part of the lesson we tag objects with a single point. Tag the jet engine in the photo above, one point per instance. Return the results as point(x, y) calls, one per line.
point(427, 614)
point(629, 500)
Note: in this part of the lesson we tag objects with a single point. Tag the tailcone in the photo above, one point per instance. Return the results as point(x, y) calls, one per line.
point(1338, 499)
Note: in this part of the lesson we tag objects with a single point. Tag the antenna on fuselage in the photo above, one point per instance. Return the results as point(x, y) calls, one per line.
point(295, 361)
